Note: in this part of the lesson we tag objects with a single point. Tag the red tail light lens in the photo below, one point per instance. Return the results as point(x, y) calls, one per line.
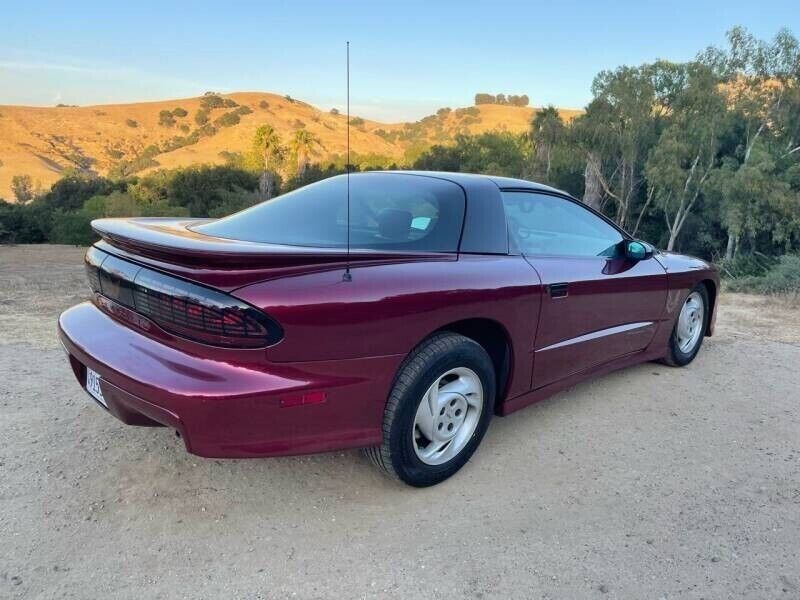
point(181, 307)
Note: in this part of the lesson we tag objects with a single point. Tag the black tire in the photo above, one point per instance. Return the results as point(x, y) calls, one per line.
point(675, 356)
point(435, 356)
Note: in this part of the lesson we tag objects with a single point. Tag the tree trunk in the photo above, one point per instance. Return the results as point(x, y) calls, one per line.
point(729, 247)
point(671, 243)
point(593, 188)
point(265, 185)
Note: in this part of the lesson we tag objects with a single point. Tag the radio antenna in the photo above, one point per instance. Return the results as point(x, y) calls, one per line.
point(347, 276)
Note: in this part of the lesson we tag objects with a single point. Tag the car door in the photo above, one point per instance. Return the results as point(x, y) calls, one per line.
point(598, 305)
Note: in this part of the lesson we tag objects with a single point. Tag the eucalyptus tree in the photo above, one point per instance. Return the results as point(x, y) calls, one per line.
point(616, 131)
point(687, 151)
point(762, 82)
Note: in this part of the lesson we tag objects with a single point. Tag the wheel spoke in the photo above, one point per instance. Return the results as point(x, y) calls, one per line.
point(457, 386)
point(434, 400)
point(424, 418)
point(434, 448)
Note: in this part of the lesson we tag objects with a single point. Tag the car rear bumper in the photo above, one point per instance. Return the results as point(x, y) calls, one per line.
point(229, 408)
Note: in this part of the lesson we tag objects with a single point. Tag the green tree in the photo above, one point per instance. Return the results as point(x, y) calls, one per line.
point(491, 152)
point(616, 133)
point(687, 151)
point(22, 188)
point(761, 79)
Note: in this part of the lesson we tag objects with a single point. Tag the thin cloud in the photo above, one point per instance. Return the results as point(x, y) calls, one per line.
point(47, 66)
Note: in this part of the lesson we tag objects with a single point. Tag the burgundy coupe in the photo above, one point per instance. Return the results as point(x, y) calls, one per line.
point(399, 322)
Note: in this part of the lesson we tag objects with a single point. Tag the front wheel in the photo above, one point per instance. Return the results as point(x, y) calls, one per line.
point(690, 328)
point(438, 410)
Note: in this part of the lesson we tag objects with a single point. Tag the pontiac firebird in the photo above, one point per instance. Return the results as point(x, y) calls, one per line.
point(399, 321)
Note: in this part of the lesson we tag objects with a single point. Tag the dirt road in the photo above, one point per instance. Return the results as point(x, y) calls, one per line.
point(648, 483)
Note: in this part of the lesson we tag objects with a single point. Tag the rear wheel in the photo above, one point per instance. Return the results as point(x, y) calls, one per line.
point(690, 328)
point(437, 412)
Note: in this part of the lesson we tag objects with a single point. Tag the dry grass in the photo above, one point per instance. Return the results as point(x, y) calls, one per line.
point(42, 142)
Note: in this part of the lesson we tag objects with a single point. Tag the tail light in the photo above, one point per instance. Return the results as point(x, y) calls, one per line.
point(186, 309)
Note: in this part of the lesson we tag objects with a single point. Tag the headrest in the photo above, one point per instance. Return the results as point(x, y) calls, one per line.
point(394, 224)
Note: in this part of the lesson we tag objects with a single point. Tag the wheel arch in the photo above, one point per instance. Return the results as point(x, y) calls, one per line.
point(711, 289)
point(495, 339)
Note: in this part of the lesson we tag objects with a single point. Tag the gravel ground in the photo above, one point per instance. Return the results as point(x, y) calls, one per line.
point(648, 483)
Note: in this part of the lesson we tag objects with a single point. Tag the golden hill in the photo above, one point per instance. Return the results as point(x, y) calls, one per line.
point(43, 142)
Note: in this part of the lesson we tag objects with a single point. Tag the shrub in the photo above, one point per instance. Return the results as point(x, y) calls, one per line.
point(356, 121)
point(746, 265)
point(185, 127)
point(179, 112)
point(263, 104)
point(211, 101)
point(201, 117)
point(165, 118)
point(131, 123)
point(470, 111)
point(197, 189)
point(72, 228)
point(206, 130)
point(782, 278)
point(234, 200)
point(227, 120)
point(174, 143)
point(334, 111)
point(229, 103)
point(24, 224)
point(243, 110)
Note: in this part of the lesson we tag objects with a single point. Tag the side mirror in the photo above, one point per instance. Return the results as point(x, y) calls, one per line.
point(636, 250)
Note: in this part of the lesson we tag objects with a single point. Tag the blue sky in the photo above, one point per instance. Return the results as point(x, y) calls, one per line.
point(408, 58)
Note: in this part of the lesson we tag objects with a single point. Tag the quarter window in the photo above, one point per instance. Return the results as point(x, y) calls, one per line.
point(549, 225)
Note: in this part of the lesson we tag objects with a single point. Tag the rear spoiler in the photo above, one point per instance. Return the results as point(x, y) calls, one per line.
point(175, 241)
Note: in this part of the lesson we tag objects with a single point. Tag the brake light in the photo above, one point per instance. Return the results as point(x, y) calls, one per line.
point(187, 309)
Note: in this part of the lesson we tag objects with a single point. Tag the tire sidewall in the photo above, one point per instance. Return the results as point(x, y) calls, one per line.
point(679, 357)
point(405, 461)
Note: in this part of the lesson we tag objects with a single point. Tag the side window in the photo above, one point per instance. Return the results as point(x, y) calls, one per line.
point(542, 224)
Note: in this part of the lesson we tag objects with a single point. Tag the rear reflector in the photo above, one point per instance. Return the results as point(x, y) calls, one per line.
point(303, 399)
point(181, 307)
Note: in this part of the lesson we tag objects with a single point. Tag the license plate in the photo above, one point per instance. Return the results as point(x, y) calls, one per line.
point(93, 386)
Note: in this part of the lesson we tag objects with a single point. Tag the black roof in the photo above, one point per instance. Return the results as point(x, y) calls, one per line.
point(465, 179)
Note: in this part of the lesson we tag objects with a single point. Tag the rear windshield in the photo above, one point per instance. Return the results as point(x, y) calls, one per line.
point(388, 211)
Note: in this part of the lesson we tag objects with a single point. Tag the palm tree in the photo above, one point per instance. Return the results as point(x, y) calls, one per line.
point(303, 145)
point(547, 129)
point(267, 143)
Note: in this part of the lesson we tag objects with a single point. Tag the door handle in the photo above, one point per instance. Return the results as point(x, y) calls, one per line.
point(558, 290)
